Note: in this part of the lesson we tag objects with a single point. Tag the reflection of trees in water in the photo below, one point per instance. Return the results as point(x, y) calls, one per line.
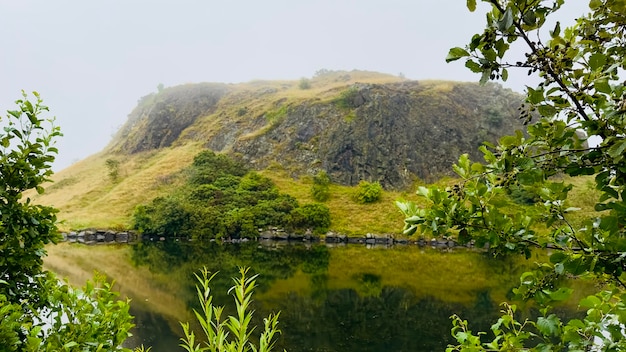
point(271, 263)
point(395, 320)
point(369, 284)
point(185, 258)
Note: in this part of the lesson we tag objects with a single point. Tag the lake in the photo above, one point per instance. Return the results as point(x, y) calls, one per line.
point(341, 298)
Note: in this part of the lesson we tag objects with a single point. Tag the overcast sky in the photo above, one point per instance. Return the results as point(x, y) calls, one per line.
point(92, 60)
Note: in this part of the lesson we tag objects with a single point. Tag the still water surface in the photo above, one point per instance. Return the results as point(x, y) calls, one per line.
point(346, 298)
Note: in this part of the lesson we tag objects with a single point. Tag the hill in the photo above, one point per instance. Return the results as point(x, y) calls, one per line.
point(353, 125)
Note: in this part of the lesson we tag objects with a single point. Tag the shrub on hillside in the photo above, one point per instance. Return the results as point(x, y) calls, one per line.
point(305, 83)
point(321, 187)
point(208, 166)
point(164, 216)
point(113, 169)
point(368, 192)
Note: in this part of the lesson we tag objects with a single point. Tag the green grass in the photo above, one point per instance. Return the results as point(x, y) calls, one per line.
point(348, 216)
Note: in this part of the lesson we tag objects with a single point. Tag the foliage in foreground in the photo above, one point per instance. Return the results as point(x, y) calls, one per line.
point(232, 333)
point(37, 312)
point(223, 199)
point(26, 155)
point(580, 89)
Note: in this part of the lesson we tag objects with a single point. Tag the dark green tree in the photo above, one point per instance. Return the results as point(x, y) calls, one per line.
point(580, 89)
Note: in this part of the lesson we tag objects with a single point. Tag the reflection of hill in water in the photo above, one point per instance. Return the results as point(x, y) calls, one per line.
point(395, 320)
point(331, 299)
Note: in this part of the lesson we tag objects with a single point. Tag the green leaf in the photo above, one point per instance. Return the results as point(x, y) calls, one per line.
point(471, 5)
point(473, 66)
point(485, 76)
point(501, 47)
point(596, 61)
point(561, 294)
point(589, 302)
point(594, 4)
point(535, 96)
point(530, 18)
point(559, 268)
point(616, 151)
point(547, 110)
point(558, 257)
point(557, 30)
point(70, 344)
point(507, 20)
point(548, 326)
point(422, 191)
point(456, 53)
point(602, 85)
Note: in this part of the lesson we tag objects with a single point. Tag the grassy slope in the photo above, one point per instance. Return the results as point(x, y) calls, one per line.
point(87, 197)
point(347, 215)
point(260, 97)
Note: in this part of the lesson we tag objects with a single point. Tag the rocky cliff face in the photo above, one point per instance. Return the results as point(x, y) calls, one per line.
point(159, 119)
point(391, 132)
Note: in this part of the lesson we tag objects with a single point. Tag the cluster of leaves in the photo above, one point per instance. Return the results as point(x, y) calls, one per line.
point(321, 187)
point(223, 199)
point(91, 318)
point(580, 88)
point(37, 312)
point(368, 192)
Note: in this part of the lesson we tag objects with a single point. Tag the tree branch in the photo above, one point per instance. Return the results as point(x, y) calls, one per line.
point(547, 67)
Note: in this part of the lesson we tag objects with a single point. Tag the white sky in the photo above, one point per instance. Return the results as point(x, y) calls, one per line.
point(92, 60)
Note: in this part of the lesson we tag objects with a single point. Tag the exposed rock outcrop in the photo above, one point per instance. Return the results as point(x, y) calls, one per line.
point(393, 133)
point(159, 119)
